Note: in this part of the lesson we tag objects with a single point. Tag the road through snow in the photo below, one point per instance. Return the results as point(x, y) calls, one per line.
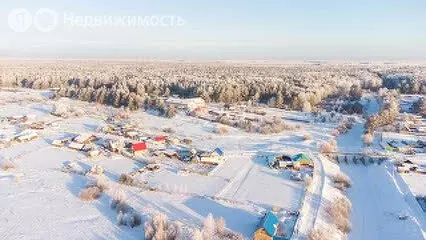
point(376, 200)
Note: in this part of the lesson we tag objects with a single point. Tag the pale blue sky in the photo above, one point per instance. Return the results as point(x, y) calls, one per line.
point(220, 29)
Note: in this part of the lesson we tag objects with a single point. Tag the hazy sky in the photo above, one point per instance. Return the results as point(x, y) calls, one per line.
point(223, 29)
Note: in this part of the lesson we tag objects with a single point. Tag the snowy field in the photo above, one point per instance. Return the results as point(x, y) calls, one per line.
point(41, 202)
point(379, 195)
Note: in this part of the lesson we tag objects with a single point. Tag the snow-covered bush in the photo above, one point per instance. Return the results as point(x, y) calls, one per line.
point(119, 195)
point(97, 170)
point(131, 219)
point(102, 183)
point(74, 167)
point(221, 130)
point(160, 228)
point(59, 110)
point(168, 130)
point(90, 193)
point(339, 212)
point(319, 234)
point(126, 179)
point(307, 136)
point(328, 147)
point(216, 229)
point(197, 235)
point(367, 139)
point(308, 182)
point(6, 164)
point(341, 178)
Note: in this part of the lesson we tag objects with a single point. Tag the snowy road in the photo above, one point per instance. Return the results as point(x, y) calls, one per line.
point(376, 205)
point(377, 201)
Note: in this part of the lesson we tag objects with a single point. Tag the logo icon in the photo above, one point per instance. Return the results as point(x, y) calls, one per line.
point(45, 20)
point(20, 20)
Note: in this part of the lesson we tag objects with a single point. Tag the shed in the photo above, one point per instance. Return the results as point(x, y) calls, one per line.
point(403, 169)
point(138, 147)
point(160, 139)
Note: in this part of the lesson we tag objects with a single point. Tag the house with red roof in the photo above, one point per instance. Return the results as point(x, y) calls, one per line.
point(160, 139)
point(139, 147)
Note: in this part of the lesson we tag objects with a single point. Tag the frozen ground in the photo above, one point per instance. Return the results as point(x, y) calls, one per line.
point(379, 196)
point(41, 202)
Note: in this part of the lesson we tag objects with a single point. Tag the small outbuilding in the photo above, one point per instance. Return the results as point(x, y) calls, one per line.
point(160, 139)
point(139, 147)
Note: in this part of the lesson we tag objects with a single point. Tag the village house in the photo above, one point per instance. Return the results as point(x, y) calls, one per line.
point(268, 228)
point(302, 160)
point(138, 148)
point(76, 146)
point(281, 161)
point(187, 155)
point(37, 125)
point(401, 147)
point(285, 161)
point(215, 157)
point(93, 153)
point(58, 143)
point(26, 136)
point(84, 138)
point(114, 145)
point(173, 141)
point(190, 104)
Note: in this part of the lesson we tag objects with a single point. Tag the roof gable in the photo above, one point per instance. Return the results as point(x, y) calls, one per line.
point(218, 151)
point(270, 223)
point(139, 146)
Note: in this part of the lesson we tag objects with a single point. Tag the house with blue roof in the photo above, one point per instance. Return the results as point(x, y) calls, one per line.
point(214, 157)
point(302, 159)
point(268, 228)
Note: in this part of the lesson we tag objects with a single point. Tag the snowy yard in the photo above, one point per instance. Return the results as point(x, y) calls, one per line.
point(42, 202)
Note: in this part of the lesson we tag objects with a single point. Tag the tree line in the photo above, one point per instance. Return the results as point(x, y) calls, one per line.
point(146, 84)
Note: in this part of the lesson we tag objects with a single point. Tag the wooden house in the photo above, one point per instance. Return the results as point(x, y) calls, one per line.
point(215, 157)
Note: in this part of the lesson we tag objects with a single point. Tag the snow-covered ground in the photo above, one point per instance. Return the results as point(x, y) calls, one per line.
point(379, 196)
point(41, 202)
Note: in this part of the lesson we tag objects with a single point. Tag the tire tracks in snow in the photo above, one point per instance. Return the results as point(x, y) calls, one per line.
point(312, 202)
point(240, 177)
